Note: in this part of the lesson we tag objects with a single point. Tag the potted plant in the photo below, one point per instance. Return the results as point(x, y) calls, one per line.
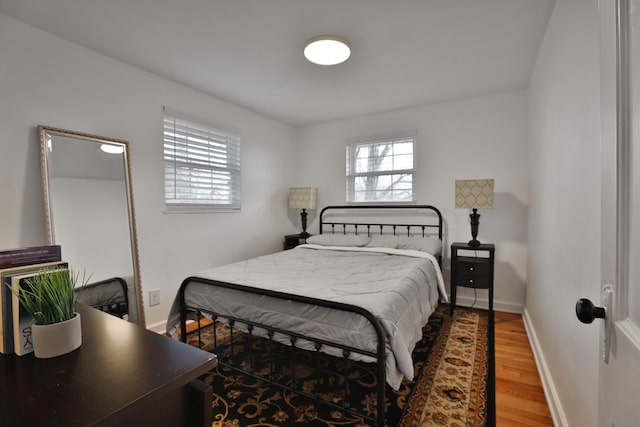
point(50, 299)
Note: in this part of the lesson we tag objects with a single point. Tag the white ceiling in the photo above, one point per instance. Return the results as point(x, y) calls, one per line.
point(405, 52)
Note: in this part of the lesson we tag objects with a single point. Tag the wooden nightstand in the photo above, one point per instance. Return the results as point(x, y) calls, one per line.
point(292, 240)
point(472, 268)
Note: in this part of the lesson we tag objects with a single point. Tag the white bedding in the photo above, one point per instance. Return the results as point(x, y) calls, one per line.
point(399, 287)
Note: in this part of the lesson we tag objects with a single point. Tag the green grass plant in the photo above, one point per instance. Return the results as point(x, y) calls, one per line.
point(49, 296)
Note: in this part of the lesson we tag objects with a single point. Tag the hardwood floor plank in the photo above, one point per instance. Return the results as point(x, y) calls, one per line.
point(520, 399)
point(518, 389)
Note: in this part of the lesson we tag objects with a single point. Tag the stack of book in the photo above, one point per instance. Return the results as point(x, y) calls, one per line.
point(17, 266)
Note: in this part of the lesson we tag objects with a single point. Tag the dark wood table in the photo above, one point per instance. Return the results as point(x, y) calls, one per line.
point(121, 375)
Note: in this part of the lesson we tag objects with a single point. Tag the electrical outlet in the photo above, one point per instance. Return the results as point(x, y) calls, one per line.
point(154, 297)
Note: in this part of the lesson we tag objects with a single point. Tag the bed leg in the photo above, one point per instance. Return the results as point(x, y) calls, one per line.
point(318, 346)
point(271, 363)
point(249, 346)
point(183, 325)
point(294, 380)
point(382, 383)
point(199, 318)
point(232, 356)
point(347, 365)
point(215, 333)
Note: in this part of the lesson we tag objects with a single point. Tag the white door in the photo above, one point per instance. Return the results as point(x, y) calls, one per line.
point(619, 377)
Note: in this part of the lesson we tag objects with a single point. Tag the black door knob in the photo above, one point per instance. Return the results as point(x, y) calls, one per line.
point(586, 311)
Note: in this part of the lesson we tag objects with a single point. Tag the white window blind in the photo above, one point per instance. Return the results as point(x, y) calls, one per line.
point(381, 171)
point(201, 166)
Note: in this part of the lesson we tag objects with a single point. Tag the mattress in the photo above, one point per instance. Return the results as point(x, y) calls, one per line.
point(399, 287)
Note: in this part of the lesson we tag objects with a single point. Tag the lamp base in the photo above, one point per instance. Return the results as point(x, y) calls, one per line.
point(475, 222)
point(303, 220)
point(304, 235)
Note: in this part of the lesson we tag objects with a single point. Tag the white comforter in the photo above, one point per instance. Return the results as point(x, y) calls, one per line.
point(399, 287)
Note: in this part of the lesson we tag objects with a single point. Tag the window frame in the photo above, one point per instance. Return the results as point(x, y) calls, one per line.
point(215, 153)
point(351, 175)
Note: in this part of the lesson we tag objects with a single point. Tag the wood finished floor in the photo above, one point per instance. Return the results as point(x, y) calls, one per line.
point(520, 399)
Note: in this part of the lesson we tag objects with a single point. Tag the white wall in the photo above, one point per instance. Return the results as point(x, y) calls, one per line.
point(475, 138)
point(46, 80)
point(564, 235)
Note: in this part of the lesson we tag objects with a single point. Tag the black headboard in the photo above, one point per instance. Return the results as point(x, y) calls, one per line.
point(408, 220)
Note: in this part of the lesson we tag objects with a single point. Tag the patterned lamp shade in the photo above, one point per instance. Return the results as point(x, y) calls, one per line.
point(474, 193)
point(303, 198)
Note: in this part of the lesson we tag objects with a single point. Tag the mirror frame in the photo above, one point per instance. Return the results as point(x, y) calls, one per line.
point(43, 132)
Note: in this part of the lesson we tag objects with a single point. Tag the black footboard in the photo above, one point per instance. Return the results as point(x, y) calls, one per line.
point(251, 329)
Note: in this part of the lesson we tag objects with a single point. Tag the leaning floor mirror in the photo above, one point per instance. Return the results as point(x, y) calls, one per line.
point(88, 207)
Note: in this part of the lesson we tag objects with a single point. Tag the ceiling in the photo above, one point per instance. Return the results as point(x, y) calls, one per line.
point(405, 53)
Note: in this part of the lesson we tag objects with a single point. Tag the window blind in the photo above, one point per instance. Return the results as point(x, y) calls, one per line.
point(381, 171)
point(201, 166)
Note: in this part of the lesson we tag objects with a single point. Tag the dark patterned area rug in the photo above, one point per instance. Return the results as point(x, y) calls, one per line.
point(453, 385)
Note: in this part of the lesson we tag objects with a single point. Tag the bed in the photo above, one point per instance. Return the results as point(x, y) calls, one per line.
point(109, 295)
point(361, 289)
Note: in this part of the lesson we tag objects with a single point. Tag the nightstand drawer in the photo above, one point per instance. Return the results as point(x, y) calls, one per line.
point(474, 272)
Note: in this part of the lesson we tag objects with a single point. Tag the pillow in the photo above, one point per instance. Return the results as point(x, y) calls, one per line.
point(383, 241)
point(338, 240)
point(431, 245)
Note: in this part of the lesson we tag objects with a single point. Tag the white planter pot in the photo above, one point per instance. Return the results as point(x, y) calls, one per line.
point(56, 339)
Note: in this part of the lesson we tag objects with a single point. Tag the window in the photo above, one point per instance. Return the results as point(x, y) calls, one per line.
point(381, 171)
point(201, 167)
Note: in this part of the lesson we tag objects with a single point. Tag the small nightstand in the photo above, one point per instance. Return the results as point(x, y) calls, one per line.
point(292, 240)
point(472, 268)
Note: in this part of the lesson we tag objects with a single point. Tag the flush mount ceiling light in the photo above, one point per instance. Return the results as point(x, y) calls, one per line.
point(327, 50)
point(112, 149)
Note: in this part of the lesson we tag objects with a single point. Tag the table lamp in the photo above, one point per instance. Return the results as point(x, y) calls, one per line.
point(474, 194)
point(303, 198)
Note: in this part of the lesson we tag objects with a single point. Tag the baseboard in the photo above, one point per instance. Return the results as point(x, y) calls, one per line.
point(550, 391)
point(159, 327)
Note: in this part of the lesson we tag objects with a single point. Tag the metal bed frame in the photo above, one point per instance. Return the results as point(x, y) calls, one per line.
point(433, 227)
point(118, 302)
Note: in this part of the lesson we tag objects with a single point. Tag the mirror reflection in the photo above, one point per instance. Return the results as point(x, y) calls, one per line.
point(89, 212)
